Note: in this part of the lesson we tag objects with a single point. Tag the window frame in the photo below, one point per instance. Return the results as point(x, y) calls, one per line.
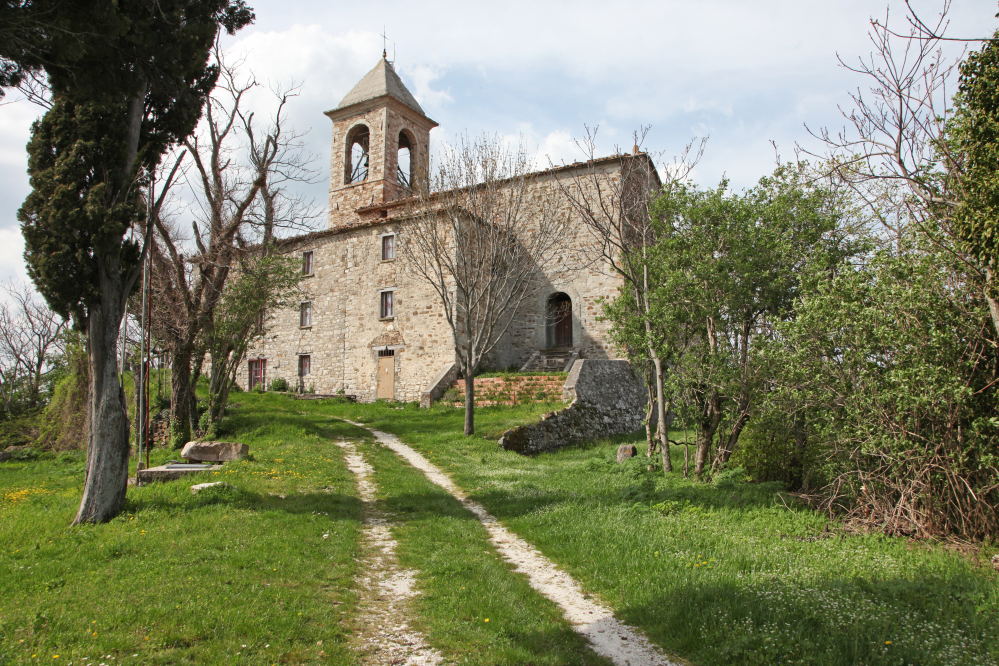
point(304, 363)
point(386, 313)
point(261, 374)
point(383, 239)
point(308, 262)
point(305, 314)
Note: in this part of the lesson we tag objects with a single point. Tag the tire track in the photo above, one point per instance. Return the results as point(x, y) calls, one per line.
point(609, 637)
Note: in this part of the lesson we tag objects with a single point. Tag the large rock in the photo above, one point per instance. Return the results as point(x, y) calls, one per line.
point(214, 451)
point(626, 451)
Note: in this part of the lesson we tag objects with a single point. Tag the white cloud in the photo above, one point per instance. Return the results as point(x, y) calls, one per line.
point(422, 77)
point(12, 255)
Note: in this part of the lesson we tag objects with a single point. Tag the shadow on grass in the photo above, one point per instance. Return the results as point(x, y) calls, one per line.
point(874, 622)
point(180, 500)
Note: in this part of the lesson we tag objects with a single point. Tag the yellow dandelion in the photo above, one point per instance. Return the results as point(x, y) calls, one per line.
point(887, 642)
point(487, 619)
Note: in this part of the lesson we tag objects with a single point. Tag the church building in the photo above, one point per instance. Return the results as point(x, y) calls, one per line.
point(367, 326)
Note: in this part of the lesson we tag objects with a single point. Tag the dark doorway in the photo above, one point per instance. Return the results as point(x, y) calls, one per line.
point(559, 321)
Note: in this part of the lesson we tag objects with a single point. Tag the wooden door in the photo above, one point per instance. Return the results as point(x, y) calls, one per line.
point(563, 324)
point(386, 378)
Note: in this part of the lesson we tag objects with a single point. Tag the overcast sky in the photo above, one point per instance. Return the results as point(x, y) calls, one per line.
point(744, 72)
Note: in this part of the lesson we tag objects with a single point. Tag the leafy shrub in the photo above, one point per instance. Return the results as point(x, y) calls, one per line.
point(279, 384)
point(728, 478)
point(452, 395)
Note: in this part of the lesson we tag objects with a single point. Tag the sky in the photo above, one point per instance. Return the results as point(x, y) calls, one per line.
point(744, 73)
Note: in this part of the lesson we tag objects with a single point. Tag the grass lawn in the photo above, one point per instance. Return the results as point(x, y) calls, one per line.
point(717, 575)
point(240, 577)
point(265, 574)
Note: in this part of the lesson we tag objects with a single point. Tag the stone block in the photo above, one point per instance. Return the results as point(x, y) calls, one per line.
point(214, 451)
point(198, 487)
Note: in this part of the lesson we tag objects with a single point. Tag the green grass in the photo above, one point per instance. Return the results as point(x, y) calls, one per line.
point(718, 575)
point(182, 579)
point(472, 608)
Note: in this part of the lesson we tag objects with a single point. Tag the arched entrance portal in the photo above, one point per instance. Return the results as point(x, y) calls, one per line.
point(558, 318)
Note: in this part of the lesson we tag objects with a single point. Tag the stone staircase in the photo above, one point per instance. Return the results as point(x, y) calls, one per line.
point(557, 359)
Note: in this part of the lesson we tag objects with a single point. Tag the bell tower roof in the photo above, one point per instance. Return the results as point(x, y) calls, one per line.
point(381, 81)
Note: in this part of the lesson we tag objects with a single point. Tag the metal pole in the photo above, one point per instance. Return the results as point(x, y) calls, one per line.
point(124, 342)
point(140, 383)
point(149, 352)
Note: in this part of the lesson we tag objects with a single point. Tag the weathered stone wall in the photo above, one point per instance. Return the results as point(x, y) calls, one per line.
point(607, 399)
point(578, 271)
point(349, 275)
point(346, 331)
point(385, 119)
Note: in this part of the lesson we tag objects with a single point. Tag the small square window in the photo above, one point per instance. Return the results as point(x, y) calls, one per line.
point(307, 263)
point(305, 319)
point(388, 247)
point(304, 366)
point(387, 309)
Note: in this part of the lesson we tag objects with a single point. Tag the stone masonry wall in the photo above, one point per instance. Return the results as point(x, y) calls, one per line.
point(607, 399)
point(346, 331)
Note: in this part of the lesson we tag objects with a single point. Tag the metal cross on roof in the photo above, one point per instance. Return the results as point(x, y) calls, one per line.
point(384, 43)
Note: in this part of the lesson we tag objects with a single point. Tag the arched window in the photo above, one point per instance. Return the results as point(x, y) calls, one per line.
point(405, 160)
point(558, 318)
point(357, 154)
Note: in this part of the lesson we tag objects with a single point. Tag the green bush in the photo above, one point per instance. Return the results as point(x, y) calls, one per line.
point(279, 384)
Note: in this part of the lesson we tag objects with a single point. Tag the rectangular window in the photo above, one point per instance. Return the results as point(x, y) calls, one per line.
point(388, 305)
point(305, 318)
point(258, 372)
point(260, 320)
point(307, 263)
point(304, 366)
point(388, 248)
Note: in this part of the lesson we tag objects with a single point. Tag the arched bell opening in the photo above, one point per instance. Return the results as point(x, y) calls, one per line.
point(558, 320)
point(357, 154)
point(404, 168)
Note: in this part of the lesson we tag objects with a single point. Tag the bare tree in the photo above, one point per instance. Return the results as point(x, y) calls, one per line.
point(30, 333)
point(484, 237)
point(616, 211)
point(896, 151)
point(237, 200)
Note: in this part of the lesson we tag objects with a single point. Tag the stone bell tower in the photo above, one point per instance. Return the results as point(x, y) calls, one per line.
point(381, 141)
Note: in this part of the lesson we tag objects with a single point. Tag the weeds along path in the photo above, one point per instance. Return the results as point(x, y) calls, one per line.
point(385, 590)
point(609, 637)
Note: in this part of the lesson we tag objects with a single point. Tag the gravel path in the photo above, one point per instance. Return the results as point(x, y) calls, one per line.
point(384, 637)
point(624, 645)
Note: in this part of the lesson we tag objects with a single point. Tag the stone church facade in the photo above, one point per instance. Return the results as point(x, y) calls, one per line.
point(366, 325)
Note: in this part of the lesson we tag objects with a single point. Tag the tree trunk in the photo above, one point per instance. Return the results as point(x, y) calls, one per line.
point(180, 398)
point(663, 429)
point(108, 447)
point(706, 435)
point(469, 400)
point(725, 452)
point(667, 455)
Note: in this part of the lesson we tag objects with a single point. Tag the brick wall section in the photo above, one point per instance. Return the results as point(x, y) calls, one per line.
point(607, 399)
point(513, 390)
